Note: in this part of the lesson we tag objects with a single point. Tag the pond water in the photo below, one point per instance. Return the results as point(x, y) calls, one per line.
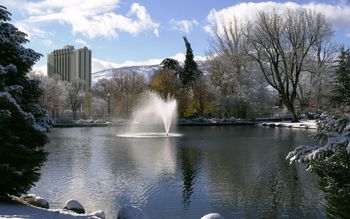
point(239, 172)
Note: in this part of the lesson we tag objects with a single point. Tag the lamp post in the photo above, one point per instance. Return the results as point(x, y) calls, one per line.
point(109, 104)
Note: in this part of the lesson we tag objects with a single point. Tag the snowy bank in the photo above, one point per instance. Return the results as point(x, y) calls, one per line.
point(304, 124)
point(31, 212)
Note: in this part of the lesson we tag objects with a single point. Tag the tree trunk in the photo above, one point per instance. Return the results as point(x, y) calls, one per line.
point(291, 109)
point(74, 114)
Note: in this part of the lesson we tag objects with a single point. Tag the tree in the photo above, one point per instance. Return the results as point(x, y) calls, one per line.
point(203, 96)
point(172, 65)
point(340, 96)
point(167, 83)
point(280, 44)
point(190, 70)
point(313, 85)
point(330, 160)
point(54, 93)
point(126, 88)
point(23, 122)
point(75, 96)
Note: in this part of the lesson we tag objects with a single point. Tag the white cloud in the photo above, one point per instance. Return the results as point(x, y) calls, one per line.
point(184, 26)
point(40, 69)
point(81, 42)
point(337, 14)
point(98, 64)
point(31, 31)
point(91, 18)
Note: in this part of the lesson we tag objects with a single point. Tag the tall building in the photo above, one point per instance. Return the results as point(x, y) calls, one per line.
point(71, 64)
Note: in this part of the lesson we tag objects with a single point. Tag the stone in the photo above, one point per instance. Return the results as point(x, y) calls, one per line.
point(212, 216)
point(131, 212)
point(99, 214)
point(75, 206)
point(34, 200)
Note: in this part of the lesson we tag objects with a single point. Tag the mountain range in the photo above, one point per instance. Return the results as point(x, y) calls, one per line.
point(146, 70)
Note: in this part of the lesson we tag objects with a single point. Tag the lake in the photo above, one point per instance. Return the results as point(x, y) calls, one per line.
point(237, 171)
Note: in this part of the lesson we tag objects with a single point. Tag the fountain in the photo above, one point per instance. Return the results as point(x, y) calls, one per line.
point(153, 117)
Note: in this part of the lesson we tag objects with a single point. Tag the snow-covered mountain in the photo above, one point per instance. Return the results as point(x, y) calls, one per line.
point(146, 70)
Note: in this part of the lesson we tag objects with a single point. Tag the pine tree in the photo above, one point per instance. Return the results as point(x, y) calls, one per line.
point(340, 97)
point(190, 70)
point(23, 122)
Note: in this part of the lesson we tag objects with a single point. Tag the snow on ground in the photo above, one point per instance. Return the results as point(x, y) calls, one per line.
point(30, 212)
point(305, 124)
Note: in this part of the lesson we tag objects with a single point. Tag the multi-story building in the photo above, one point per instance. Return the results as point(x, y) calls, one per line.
point(71, 64)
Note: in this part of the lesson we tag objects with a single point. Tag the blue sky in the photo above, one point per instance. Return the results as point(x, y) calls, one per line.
point(123, 32)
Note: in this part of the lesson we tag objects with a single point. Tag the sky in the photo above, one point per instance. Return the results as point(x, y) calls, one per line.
point(125, 33)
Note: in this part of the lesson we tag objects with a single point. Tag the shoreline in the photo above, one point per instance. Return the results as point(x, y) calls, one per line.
point(280, 123)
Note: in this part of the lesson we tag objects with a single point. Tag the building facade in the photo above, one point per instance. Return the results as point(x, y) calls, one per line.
point(71, 64)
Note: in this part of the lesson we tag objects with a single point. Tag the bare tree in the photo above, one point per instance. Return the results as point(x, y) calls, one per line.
point(281, 43)
point(314, 84)
point(127, 86)
point(75, 96)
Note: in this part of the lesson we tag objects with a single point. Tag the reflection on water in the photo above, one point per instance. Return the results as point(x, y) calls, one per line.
point(190, 159)
point(240, 172)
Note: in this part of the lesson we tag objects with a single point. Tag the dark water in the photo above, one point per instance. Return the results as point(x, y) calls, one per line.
point(239, 172)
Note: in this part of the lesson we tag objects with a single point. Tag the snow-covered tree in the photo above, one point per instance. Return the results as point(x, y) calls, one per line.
point(280, 44)
point(23, 122)
point(331, 158)
point(99, 107)
point(340, 96)
point(75, 96)
point(55, 93)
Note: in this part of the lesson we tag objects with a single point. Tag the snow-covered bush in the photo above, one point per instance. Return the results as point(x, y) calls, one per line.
point(331, 158)
point(23, 122)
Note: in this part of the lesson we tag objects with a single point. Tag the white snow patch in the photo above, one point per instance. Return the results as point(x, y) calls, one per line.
point(307, 124)
point(30, 212)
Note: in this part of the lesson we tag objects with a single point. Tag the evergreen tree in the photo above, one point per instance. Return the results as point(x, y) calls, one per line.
point(172, 64)
point(23, 122)
point(341, 88)
point(190, 71)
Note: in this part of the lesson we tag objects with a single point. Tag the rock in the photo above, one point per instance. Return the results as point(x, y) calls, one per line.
point(75, 206)
point(212, 216)
point(99, 214)
point(131, 212)
point(34, 200)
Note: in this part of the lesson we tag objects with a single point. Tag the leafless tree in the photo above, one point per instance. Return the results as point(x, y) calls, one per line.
point(317, 73)
point(75, 96)
point(126, 88)
point(280, 43)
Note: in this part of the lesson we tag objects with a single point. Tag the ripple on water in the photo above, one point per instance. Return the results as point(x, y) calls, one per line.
point(149, 135)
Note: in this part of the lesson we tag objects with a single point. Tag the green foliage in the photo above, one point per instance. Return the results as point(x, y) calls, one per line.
point(172, 65)
point(23, 122)
point(190, 71)
point(340, 97)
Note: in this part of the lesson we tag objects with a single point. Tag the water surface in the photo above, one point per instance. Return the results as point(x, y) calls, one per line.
point(239, 172)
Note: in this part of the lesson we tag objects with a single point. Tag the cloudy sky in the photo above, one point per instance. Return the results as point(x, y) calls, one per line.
point(124, 32)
